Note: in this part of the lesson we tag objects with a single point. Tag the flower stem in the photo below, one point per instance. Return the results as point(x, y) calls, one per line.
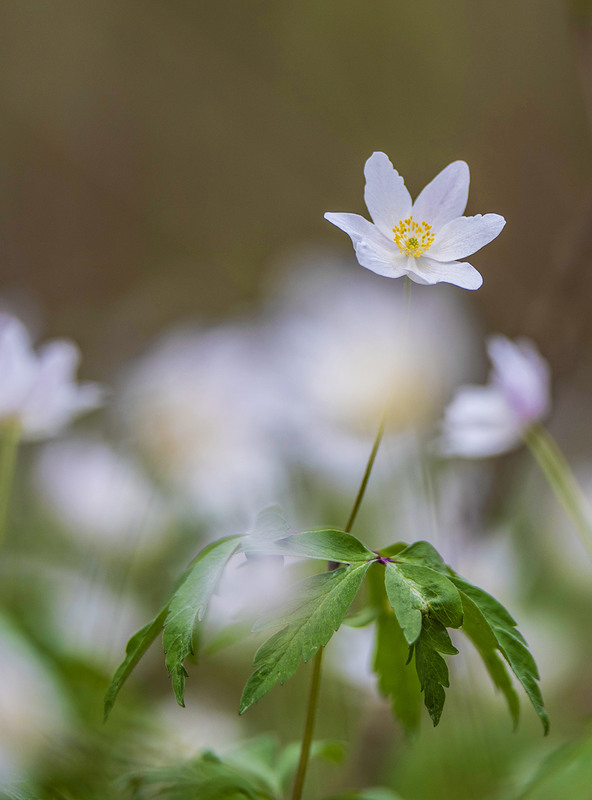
point(562, 481)
point(9, 439)
point(313, 697)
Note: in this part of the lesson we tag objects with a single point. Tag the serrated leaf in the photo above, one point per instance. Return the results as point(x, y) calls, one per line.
point(325, 599)
point(189, 604)
point(397, 680)
point(327, 544)
point(414, 591)
point(269, 526)
point(511, 644)
point(135, 649)
point(432, 670)
point(479, 631)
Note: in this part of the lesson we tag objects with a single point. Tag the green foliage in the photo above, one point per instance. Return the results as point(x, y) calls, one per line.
point(309, 624)
point(258, 769)
point(188, 606)
point(135, 649)
point(510, 643)
point(414, 597)
point(368, 794)
point(567, 772)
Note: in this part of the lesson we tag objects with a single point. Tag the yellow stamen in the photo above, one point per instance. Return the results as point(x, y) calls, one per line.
point(413, 238)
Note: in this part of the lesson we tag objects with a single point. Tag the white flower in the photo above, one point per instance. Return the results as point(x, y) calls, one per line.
point(99, 494)
point(38, 392)
point(488, 420)
point(200, 405)
point(340, 362)
point(422, 240)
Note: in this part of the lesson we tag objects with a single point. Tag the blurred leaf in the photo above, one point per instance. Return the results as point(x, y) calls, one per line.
point(511, 643)
point(326, 544)
point(310, 623)
point(414, 591)
point(567, 772)
point(189, 604)
point(288, 762)
point(368, 794)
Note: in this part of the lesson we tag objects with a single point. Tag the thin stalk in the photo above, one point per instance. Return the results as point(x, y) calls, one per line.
point(313, 697)
point(9, 439)
point(311, 713)
point(562, 481)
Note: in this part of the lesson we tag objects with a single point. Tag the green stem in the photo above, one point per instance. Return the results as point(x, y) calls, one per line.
point(9, 439)
point(562, 481)
point(313, 697)
point(311, 713)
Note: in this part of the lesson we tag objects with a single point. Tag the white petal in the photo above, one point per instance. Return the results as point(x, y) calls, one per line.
point(18, 365)
point(381, 260)
point(385, 193)
point(373, 250)
point(357, 228)
point(478, 423)
point(463, 236)
point(444, 198)
point(428, 272)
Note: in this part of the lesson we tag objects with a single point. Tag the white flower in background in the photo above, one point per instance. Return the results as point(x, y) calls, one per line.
point(202, 407)
point(424, 239)
point(38, 391)
point(99, 494)
point(342, 357)
point(487, 420)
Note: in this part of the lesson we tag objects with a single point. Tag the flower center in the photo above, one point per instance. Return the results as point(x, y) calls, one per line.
point(413, 238)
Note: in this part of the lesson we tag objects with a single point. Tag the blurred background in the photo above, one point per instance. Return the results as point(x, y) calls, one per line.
point(165, 170)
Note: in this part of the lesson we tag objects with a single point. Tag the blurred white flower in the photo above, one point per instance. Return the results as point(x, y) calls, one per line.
point(342, 357)
point(99, 494)
point(38, 392)
point(404, 233)
point(487, 420)
point(202, 407)
point(33, 711)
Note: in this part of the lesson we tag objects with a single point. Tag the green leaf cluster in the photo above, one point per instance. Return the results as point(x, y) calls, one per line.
point(413, 599)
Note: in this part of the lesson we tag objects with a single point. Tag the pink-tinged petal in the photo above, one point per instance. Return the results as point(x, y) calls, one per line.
point(427, 271)
point(463, 236)
point(385, 193)
point(444, 198)
point(522, 375)
point(18, 365)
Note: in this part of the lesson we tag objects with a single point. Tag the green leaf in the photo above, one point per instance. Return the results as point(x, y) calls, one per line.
point(414, 591)
point(327, 544)
point(189, 604)
point(432, 670)
point(309, 624)
point(397, 680)
point(135, 649)
point(511, 644)
point(479, 631)
point(424, 554)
